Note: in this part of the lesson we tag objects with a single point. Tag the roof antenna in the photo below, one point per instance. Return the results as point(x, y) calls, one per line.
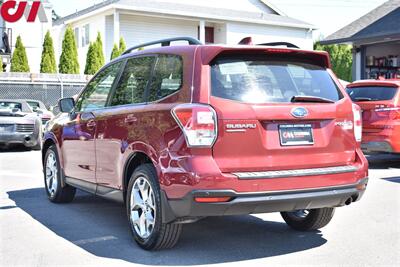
point(246, 41)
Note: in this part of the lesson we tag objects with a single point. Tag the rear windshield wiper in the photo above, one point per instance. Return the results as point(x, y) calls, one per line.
point(310, 99)
point(363, 99)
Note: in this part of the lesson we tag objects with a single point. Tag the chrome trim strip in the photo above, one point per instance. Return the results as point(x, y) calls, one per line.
point(294, 173)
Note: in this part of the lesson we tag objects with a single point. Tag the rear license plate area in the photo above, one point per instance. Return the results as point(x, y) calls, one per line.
point(296, 134)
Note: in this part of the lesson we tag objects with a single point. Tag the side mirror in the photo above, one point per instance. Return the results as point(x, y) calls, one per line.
point(66, 105)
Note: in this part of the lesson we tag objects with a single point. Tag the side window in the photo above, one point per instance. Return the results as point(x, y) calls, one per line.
point(167, 77)
point(96, 93)
point(132, 85)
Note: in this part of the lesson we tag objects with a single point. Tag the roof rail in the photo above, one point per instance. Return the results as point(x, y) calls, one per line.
point(165, 42)
point(289, 45)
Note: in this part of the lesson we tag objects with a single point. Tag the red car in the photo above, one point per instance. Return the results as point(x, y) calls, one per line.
point(183, 132)
point(380, 104)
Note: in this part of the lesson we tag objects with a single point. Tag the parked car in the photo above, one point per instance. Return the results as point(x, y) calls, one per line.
point(380, 104)
point(41, 109)
point(180, 133)
point(19, 125)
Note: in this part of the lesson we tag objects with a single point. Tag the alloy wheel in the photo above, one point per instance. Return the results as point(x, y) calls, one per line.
point(143, 209)
point(51, 173)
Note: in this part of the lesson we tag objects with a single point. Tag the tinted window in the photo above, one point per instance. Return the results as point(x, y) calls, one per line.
point(373, 93)
point(270, 81)
point(96, 93)
point(134, 80)
point(167, 77)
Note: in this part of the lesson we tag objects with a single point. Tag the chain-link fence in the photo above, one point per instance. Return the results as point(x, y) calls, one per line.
point(48, 88)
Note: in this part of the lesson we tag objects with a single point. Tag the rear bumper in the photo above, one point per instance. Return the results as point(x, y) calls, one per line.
point(377, 146)
point(261, 202)
point(26, 139)
point(386, 141)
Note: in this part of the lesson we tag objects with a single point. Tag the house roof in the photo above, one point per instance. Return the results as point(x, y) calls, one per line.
point(187, 10)
point(378, 24)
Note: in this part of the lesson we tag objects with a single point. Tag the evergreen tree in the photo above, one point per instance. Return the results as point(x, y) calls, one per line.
point(19, 61)
point(48, 64)
point(99, 51)
point(122, 46)
point(92, 60)
point(115, 52)
point(341, 57)
point(69, 63)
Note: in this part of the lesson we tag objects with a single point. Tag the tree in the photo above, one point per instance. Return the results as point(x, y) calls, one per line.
point(115, 52)
point(122, 46)
point(341, 57)
point(95, 56)
point(19, 61)
point(69, 63)
point(99, 50)
point(48, 64)
point(92, 60)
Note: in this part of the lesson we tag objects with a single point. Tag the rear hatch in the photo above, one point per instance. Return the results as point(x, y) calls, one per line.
point(277, 112)
point(379, 106)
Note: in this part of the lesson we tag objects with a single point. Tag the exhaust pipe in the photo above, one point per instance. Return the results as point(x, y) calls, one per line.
point(349, 201)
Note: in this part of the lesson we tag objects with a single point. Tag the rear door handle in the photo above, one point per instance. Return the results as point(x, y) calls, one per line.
point(130, 119)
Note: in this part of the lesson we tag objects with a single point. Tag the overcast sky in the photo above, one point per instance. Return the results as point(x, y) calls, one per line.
point(328, 15)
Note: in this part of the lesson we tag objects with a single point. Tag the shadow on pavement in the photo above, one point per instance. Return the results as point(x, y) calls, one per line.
point(383, 161)
point(13, 149)
point(392, 179)
point(101, 228)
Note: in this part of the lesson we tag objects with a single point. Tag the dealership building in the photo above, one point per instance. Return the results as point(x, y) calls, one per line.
point(376, 42)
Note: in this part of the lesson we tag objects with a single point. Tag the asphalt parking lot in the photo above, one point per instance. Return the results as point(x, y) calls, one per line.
point(93, 231)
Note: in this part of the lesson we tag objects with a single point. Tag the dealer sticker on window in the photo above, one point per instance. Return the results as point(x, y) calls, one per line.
point(233, 68)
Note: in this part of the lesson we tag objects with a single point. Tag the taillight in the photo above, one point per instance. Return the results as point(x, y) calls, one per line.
point(198, 123)
point(357, 123)
point(392, 113)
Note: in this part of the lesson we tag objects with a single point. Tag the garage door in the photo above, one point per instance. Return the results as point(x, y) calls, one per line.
point(140, 29)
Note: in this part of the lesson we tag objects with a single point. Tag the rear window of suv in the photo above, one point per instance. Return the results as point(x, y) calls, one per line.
point(270, 81)
point(371, 93)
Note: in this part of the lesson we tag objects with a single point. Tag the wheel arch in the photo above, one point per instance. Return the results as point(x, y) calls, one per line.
point(134, 160)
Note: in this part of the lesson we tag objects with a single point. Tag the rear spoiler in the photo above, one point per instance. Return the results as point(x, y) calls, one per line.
point(319, 58)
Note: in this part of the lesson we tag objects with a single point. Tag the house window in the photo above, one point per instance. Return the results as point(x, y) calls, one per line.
point(209, 34)
point(85, 35)
point(77, 36)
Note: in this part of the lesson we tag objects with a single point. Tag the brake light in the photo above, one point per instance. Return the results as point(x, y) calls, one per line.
point(389, 112)
point(198, 123)
point(357, 123)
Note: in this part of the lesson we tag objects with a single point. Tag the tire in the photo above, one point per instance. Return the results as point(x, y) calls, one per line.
point(52, 179)
point(156, 235)
point(308, 220)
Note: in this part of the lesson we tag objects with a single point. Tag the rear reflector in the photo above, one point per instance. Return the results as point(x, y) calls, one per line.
point(212, 199)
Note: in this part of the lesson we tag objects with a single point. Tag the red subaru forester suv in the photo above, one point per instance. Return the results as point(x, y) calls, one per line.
point(179, 133)
point(380, 104)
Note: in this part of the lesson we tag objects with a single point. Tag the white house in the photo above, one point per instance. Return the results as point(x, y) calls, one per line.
point(212, 21)
point(140, 21)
